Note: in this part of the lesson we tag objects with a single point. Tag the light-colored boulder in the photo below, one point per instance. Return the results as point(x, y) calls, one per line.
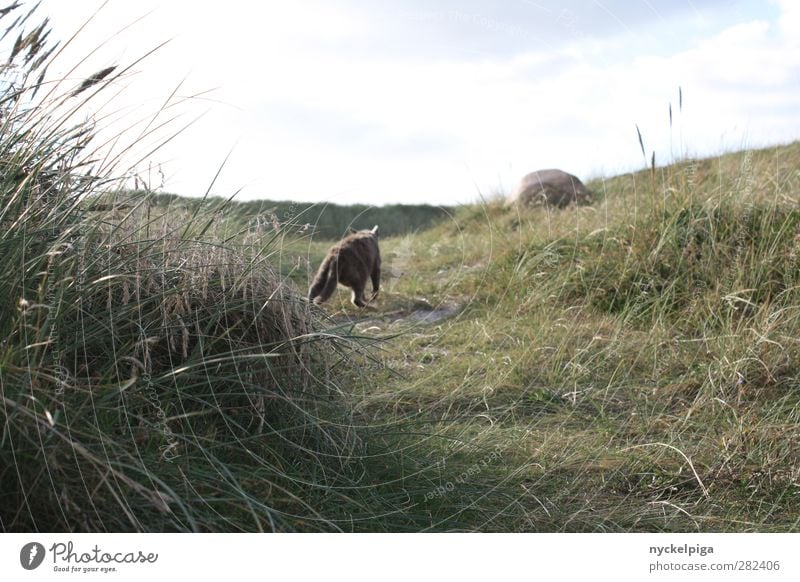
point(551, 188)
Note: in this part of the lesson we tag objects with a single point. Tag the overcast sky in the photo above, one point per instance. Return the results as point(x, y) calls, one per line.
point(439, 101)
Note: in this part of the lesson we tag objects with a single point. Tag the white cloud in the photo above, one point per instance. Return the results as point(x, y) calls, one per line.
point(317, 122)
point(789, 21)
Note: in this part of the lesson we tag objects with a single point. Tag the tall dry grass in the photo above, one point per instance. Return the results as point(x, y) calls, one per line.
point(152, 377)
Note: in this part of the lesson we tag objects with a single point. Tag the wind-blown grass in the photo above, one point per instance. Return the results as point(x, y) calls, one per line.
point(326, 220)
point(151, 378)
point(626, 366)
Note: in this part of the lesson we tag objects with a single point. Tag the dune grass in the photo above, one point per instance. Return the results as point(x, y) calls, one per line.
point(323, 220)
point(152, 377)
point(631, 365)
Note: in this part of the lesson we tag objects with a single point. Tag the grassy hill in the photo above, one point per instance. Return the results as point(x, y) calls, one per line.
point(628, 366)
point(324, 220)
point(631, 365)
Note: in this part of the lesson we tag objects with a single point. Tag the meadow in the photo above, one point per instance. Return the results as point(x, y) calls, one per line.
point(628, 365)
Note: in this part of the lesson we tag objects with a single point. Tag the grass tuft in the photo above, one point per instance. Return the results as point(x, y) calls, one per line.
point(152, 377)
point(630, 365)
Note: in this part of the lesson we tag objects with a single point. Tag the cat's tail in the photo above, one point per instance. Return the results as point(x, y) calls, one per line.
point(325, 282)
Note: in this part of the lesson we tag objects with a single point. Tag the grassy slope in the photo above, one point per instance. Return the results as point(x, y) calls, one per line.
point(632, 365)
point(625, 366)
point(326, 220)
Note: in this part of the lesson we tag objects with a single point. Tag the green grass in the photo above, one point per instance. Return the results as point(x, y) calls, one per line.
point(325, 220)
point(631, 365)
point(152, 377)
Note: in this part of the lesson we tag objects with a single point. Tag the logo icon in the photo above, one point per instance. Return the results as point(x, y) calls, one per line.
point(31, 555)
